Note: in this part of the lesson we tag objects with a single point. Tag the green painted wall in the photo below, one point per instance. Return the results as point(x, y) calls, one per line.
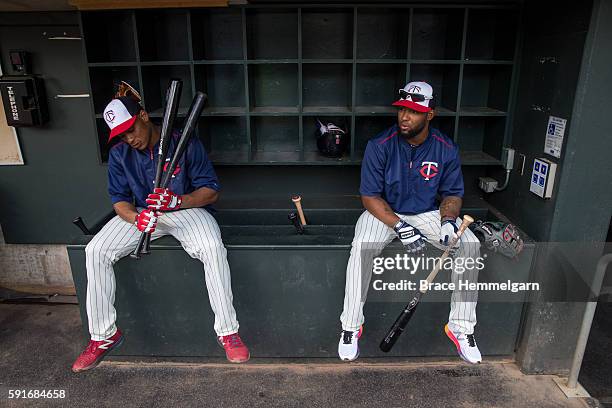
point(575, 85)
point(553, 42)
point(61, 177)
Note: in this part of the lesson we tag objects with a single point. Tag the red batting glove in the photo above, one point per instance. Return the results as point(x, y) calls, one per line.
point(162, 199)
point(146, 221)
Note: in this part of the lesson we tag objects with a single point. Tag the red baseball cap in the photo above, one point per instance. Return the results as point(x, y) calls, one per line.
point(417, 96)
point(120, 114)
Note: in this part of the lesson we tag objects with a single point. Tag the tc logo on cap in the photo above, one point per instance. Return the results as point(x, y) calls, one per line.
point(110, 116)
point(414, 89)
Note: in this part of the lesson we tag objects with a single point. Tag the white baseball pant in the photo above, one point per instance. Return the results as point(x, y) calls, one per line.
point(199, 235)
point(372, 236)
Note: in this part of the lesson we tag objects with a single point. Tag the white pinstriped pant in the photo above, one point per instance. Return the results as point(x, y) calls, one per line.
point(372, 235)
point(199, 235)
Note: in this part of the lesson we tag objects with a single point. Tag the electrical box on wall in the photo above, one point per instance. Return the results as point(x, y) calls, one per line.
point(23, 95)
point(543, 178)
point(24, 100)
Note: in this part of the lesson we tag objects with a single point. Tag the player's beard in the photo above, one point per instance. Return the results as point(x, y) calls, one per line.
point(412, 133)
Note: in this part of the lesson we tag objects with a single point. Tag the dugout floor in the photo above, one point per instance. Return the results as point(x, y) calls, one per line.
point(39, 342)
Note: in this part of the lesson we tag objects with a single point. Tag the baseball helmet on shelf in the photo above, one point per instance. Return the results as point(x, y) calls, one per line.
point(332, 140)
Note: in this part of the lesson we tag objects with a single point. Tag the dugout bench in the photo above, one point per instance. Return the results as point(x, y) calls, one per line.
point(288, 293)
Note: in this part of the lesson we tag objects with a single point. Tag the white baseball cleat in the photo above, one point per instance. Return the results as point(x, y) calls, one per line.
point(348, 347)
point(466, 345)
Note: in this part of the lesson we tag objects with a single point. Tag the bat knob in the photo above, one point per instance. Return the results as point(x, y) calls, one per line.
point(78, 221)
point(296, 198)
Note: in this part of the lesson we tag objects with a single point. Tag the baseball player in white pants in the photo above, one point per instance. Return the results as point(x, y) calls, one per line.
point(404, 169)
point(179, 210)
point(198, 233)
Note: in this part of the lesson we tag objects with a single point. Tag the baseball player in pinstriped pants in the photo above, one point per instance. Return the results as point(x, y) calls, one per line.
point(404, 168)
point(180, 211)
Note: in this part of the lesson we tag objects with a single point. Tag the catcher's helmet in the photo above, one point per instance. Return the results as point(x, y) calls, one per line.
point(331, 139)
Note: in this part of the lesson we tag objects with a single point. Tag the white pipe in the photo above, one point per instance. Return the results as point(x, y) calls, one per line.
point(505, 182)
point(587, 321)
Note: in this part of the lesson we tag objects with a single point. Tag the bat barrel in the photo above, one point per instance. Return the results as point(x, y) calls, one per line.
point(172, 104)
point(195, 110)
point(297, 200)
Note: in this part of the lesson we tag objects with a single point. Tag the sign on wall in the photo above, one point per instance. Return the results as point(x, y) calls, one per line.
point(10, 152)
point(554, 136)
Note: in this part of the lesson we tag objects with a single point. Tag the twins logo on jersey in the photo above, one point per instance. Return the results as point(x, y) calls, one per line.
point(429, 170)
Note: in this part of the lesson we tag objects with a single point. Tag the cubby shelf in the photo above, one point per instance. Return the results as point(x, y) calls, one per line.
point(275, 111)
point(159, 113)
point(480, 111)
point(468, 158)
point(224, 111)
point(375, 110)
point(270, 71)
point(326, 110)
point(477, 158)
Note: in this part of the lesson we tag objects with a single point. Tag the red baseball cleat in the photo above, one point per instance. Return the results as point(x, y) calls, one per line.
point(235, 350)
point(96, 351)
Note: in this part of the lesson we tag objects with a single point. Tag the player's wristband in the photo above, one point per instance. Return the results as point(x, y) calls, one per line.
point(447, 218)
point(398, 225)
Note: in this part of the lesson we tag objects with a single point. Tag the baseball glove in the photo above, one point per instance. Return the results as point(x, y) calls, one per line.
point(499, 237)
point(125, 89)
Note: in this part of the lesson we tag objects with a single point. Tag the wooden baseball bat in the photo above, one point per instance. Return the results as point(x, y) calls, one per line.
point(404, 317)
point(297, 200)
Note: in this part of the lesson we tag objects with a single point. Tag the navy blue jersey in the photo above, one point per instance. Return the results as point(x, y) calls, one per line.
point(131, 172)
point(409, 177)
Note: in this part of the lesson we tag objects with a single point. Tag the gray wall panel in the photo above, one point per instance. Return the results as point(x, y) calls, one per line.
point(62, 176)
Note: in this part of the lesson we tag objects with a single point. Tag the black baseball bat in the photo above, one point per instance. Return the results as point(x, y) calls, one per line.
point(173, 97)
point(404, 317)
point(78, 221)
point(190, 123)
point(195, 110)
point(293, 218)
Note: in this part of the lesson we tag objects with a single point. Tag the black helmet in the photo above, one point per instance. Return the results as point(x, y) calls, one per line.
point(331, 140)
